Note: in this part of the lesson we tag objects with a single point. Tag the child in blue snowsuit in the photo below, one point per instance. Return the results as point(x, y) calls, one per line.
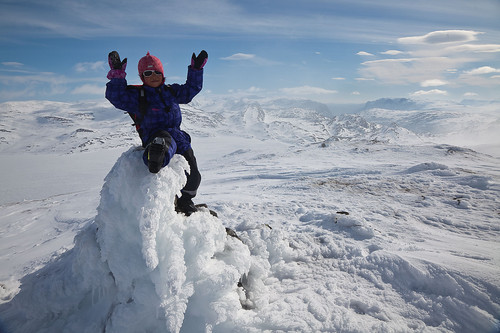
point(155, 109)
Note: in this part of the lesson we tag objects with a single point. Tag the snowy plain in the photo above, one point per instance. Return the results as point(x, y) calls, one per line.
point(387, 220)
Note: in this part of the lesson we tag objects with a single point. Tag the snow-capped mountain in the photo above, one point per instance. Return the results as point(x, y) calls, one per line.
point(381, 221)
point(460, 123)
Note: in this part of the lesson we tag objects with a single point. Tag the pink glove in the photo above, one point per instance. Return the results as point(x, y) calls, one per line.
point(117, 67)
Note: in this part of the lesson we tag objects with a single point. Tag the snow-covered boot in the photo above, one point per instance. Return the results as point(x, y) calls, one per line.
point(185, 205)
point(156, 154)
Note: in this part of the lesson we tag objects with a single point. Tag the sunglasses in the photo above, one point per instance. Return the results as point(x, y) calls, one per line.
point(150, 72)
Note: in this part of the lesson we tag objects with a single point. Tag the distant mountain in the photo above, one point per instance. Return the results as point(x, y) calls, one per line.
point(293, 122)
point(393, 104)
point(77, 127)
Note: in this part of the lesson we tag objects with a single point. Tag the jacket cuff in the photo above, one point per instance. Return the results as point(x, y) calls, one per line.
point(116, 74)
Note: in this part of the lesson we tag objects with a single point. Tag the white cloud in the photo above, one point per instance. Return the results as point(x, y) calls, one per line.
point(88, 89)
point(12, 64)
point(254, 90)
point(406, 70)
point(443, 36)
point(476, 48)
point(32, 79)
point(251, 58)
point(239, 56)
point(307, 90)
point(483, 70)
point(363, 53)
point(470, 94)
point(82, 67)
point(338, 78)
point(188, 18)
point(381, 61)
point(438, 54)
point(31, 85)
point(356, 93)
point(428, 92)
point(433, 83)
point(480, 77)
point(392, 52)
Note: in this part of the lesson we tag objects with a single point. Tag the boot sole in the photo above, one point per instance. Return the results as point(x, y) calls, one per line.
point(156, 155)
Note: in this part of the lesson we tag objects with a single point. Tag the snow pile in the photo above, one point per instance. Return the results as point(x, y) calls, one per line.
point(139, 267)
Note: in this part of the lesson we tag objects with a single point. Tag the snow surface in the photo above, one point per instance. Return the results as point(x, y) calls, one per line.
point(383, 221)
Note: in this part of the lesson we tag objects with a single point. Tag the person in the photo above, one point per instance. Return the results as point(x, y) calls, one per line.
point(154, 106)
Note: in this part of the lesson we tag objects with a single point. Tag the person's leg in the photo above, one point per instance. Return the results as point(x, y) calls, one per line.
point(193, 177)
point(159, 151)
point(185, 202)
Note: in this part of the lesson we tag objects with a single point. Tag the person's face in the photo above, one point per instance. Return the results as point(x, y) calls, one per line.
point(155, 79)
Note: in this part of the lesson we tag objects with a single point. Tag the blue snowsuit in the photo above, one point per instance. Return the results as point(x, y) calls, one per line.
point(163, 112)
point(162, 117)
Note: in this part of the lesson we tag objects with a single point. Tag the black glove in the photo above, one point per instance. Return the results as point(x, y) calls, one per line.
point(114, 61)
point(197, 62)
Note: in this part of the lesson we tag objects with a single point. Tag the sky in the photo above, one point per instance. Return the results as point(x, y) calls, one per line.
point(332, 51)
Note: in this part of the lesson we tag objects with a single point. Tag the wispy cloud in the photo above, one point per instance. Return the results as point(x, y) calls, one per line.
point(433, 83)
point(481, 76)
point(392, 52)
point(475, 48)
point(317, 19)
point(365, 54)
point(96, 66)
point(429, 92)
point(250, 58)
point(12, 64)
point(436, 59)
point(239, 57)
point(440, 37)
point(46, 85)
point(307, 90)
point(89, 89)
point(482, 70)
point(33, 78)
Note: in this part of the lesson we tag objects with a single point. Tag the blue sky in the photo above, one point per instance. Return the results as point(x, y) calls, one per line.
point(336, 51)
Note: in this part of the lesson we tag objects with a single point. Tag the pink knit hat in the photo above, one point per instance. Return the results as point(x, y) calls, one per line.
point(149, 62)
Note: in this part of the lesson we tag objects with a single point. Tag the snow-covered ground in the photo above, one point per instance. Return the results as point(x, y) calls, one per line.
point(383, 221)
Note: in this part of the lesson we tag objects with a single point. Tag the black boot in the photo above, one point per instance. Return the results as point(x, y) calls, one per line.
point(156, 154)
point(185, 205)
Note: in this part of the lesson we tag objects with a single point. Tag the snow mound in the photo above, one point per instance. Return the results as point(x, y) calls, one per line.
point(139, 266)
point(350, 226)
point(426, 167)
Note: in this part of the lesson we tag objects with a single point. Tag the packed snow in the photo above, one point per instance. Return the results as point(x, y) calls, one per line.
point(386, 220)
